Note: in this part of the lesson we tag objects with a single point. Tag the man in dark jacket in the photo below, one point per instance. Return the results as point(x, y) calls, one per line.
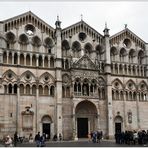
point(37, 139)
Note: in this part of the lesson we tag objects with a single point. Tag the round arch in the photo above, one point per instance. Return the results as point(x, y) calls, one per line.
point(46, 126)
point(86, 118)
point(118, 126)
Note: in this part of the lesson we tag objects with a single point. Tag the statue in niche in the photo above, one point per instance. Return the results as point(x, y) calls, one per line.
point(130, 117)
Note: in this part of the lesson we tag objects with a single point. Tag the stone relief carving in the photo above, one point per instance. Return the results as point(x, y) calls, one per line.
point(84, 63)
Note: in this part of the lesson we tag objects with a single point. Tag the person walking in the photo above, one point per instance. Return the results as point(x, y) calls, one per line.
point(8, 141)
point(15, 139)
point(37, 139)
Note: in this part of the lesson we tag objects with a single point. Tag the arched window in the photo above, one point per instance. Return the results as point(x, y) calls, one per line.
point(130, 95)
point(76, 48)
point(132, 54)
point(48, 43)
point(40, 90)
point(15, 88)
point(52, 62)
point(33, 60)
point(103, 93)
point(123, 54)
point(88, 48)
point(46, 61)
point(63, 91)
point(28, 59)
point(4, 57)
point(68, 91)
point(21, 59)
point(140, 57)
point(15, 58)
point(34, 90)
point(66, 64)
point(21, 89)
point(99, 51)
point(46, 90)
point(10, 58)
point(28, 89)
point(10, 88)
point(65, 48)
point(113, 95)
point(40, 61)
point(52, 91)
point(113, 53)
point(5, 89)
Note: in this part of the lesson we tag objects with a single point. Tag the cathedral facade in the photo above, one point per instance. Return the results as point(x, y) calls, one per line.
point(70, 81)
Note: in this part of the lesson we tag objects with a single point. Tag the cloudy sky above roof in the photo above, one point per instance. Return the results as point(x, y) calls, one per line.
point(116, 14)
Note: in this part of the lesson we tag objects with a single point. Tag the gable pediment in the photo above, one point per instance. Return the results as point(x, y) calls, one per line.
point(81, 27)
point(26, 18)
point(126, 33)
point(84, 63)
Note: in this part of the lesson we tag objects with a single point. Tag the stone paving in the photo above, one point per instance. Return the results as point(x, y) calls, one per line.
point(79, 143)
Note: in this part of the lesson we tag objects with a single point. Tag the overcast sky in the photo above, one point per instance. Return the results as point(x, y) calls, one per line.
point(116, 14)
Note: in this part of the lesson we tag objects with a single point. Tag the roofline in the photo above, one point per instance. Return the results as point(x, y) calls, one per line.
point(26, 13)
point(84, 23)
point(129, 31)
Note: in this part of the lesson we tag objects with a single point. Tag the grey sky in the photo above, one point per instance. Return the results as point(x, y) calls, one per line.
point(116, 14)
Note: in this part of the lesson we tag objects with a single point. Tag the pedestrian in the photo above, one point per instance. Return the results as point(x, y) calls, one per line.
point(42, 140)
point(15, 139)
point(8, 141)
point(89, 137)
point(30, 138)
point(37, 139)
point(60, 137)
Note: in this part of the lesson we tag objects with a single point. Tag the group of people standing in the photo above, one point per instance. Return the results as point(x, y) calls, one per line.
point(40, 140)
point(95, 136)
point(132, 137)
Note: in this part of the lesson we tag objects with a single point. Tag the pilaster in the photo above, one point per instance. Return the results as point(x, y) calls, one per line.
point(146, 48)
point(59, 117)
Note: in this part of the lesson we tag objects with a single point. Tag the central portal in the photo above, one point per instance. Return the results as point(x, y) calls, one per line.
point(82, 124)
point(86, 119)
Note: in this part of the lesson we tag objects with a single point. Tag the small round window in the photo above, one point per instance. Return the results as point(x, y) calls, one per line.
point(29, 29)
point(82, 36)
point(127, 43)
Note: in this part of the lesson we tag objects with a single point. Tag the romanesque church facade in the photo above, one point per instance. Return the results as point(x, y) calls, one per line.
point(70, 81)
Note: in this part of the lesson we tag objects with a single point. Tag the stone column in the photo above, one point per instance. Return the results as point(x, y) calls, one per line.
point(18, 53)
point(18, 111)
point(108, 83)
point(7, 57)
point(1, 61)
point(137, 105)
point(37, 109)
point(30, 59)
point(59, 116)
point(12, 58)
point(124, 109)
point(43, 60)
point(25, 59)
point(37, 60)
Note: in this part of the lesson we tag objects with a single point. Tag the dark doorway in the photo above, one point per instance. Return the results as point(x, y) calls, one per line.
point(82, 124)
point(117, 127)
point(46, 129)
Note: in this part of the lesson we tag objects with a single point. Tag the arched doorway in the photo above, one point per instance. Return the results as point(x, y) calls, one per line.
point(86, 118)
point(118, 124)
point(46, 126)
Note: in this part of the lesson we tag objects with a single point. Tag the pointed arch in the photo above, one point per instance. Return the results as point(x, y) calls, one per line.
point(47, 77)
point(10, 72)
point(27, 72)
